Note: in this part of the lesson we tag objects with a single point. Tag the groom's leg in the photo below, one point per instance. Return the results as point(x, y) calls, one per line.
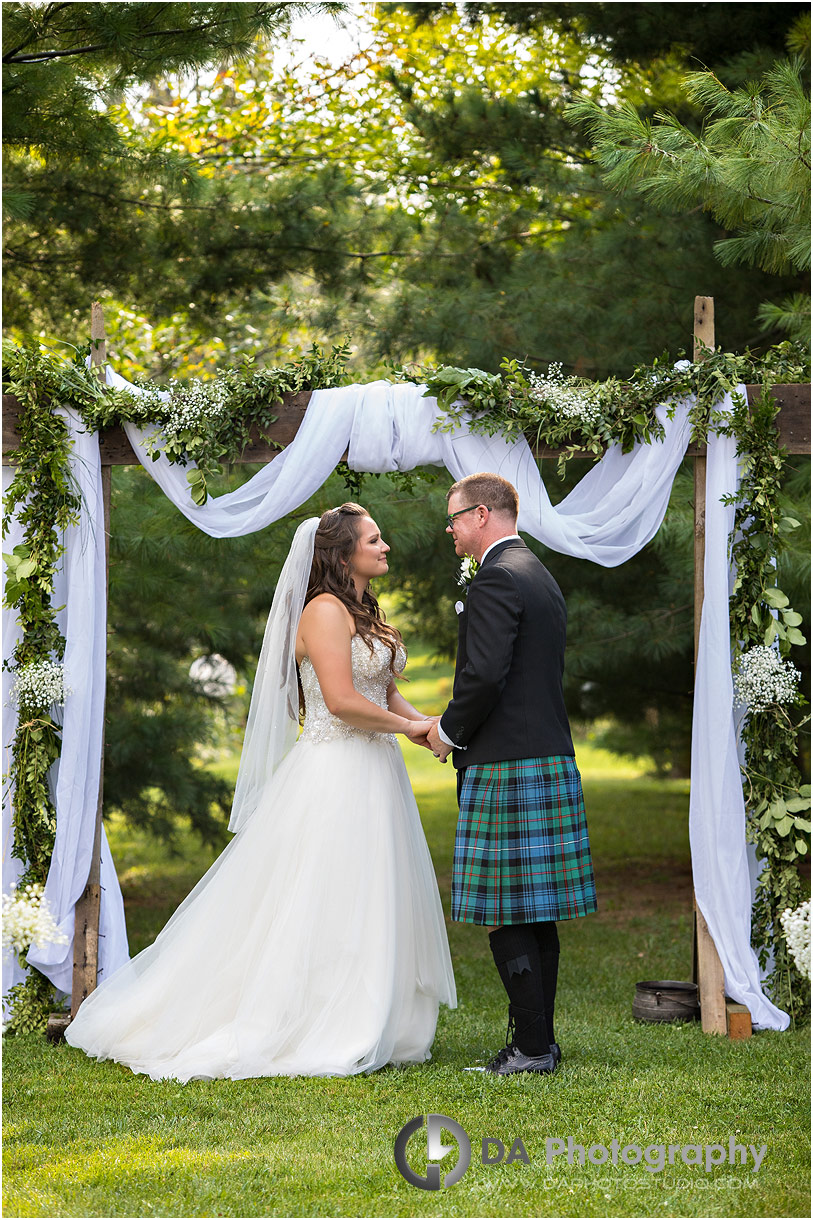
point(517, 958)
point(547, 939)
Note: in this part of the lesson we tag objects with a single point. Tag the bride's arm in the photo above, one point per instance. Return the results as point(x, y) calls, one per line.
point(325, 633)
point(397, 703)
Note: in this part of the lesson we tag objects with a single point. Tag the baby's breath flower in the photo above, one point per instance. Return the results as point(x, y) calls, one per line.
point(762, 679)
point(147, 405)
point(796, 926)
point(27, 920)
point(38, 686)
point(569, 400)
point(195, 405)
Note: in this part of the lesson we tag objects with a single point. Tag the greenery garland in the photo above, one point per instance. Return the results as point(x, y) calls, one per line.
point(210, 422)
point(579, 416)
point(37, 381)
point(764, 625)
point(205, 423)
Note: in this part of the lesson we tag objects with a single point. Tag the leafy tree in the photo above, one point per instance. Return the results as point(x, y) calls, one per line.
point(92, 205)
point(475, 223)
point(432, 199)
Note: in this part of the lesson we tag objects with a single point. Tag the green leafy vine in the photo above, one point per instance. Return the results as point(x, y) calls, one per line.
point(777, 800)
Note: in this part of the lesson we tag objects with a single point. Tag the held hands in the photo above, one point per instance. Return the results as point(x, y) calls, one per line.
point(417, 731)
point(425, 733)
point(436, 744)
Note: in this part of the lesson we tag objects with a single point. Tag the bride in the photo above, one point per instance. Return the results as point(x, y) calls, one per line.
point(315, 944)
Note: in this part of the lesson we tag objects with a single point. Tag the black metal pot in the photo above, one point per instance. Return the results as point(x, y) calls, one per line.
point(666, 1000)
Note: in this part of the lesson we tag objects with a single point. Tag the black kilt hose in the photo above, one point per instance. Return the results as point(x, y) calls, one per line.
point(522, 852)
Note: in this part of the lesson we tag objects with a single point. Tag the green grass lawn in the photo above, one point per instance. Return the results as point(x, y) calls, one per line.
point(83, 1138)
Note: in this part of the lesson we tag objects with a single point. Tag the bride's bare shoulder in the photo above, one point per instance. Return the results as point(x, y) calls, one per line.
point(325, 622)
point(326, 612)
point(326, 605)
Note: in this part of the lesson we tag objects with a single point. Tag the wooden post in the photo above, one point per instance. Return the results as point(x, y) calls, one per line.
point(703, 336)
point(707, 967)
point(98, 341)
point(86, 917)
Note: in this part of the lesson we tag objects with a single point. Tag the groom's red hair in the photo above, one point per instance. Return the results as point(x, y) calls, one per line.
point(490, 489)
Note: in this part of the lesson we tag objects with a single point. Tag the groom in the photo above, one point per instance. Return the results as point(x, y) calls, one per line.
point(522, 855)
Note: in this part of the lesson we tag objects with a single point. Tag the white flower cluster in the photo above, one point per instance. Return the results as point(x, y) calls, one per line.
point(195, 404)
point(571, 402)
point(146, 404)
point(796, 926)
point(39, 685)
point(469, 568)
point(27, 920)
point(762, 678)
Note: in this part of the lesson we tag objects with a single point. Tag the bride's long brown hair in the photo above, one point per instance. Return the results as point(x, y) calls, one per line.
point(331, 572)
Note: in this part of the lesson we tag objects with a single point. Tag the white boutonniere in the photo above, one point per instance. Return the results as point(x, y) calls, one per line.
point(469, 568)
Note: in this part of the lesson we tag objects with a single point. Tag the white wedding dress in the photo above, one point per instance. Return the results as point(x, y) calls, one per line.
point(315, 944)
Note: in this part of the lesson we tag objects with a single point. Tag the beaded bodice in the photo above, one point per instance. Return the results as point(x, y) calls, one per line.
point(371, 678)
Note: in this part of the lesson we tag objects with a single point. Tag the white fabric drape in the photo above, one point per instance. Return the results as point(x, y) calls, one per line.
point(80, 588)
point(612, 513)
point(721, 862)
point(615, 510)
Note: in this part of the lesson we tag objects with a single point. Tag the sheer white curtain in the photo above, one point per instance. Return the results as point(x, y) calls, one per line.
point(74, 778)
point(615, 510)
point(721, 859)
point(612, 513)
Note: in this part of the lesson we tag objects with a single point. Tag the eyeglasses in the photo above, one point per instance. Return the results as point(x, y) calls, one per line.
point(450, 517)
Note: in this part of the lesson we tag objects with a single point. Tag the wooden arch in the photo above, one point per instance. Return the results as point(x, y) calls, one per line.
point(718, 1014)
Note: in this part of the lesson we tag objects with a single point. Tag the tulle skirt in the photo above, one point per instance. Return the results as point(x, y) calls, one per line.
point(315, 945)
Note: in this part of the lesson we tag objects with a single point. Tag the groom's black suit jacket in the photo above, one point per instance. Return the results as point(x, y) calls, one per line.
point(507, 699)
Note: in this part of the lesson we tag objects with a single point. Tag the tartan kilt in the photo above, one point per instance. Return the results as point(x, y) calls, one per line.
point(521, 852)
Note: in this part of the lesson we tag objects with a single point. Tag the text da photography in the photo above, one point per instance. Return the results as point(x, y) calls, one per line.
point(430, 1170)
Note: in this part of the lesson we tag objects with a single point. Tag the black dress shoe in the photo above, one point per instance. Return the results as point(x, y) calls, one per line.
point(555, 1051)
point(511, 1059)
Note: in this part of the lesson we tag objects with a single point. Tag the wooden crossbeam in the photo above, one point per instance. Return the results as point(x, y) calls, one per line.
point(793, 422)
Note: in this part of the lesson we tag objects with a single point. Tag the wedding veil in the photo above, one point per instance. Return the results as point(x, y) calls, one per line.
point(274, 713)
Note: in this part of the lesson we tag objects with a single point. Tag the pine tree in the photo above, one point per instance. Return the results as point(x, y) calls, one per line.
point(749, 168)
point(642, 33)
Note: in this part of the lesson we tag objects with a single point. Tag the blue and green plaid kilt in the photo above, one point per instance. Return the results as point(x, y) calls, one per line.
point(521, 852)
